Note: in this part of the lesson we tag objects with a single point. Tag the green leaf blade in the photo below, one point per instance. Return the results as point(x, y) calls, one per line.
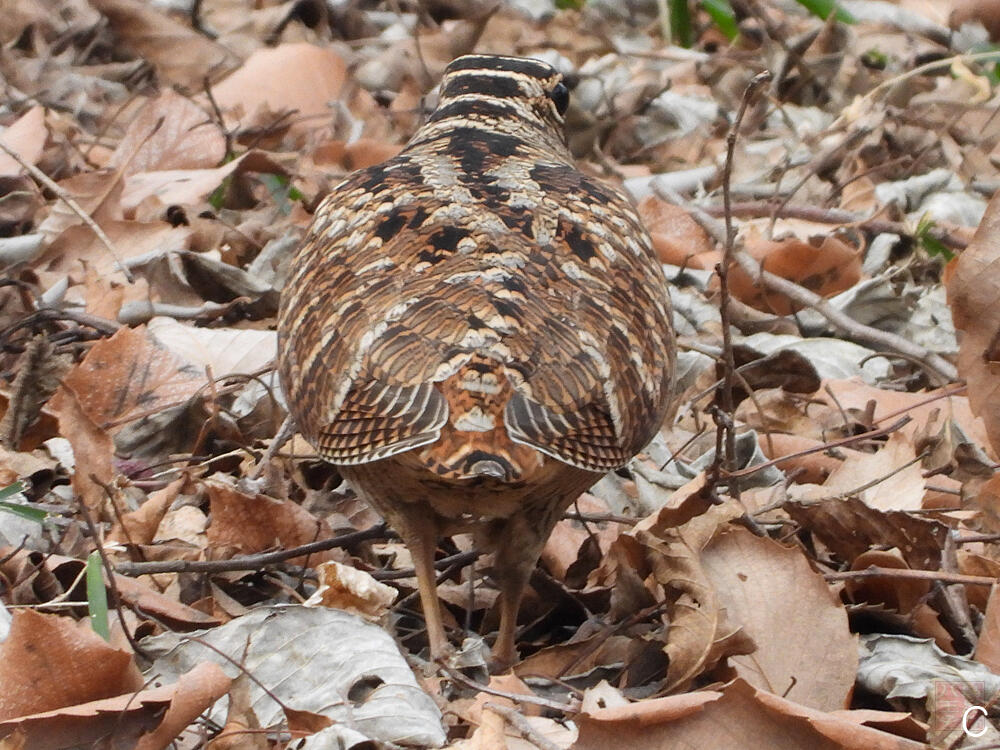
point(97, 597)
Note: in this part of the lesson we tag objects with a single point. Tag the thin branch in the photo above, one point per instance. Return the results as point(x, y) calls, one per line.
point(970, 538)
point(566, 708)
point(882, 431)
point(820, 215)
point(522, 726)
point(873, 571)
point(445, 564)
point(250, 562)
point(846, 324)
point(724, 424)
point(73, 206)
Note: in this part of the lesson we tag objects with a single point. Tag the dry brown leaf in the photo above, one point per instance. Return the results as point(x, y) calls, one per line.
point(571, 539)
point(171, 187)
point(988, 647)
point(97, 193)
point(849, 528)
point(671, 543)
point(131, 375)
point(973, 292)
point(93, 448)
point(343, 587)
point(47, 662)
point(805, 650)
point(133, 592)
point(193, 694)
point(722, 721)
point(853, 396)
point(677, 237)
point(298, 78)
point(253, 523)
point(180, 54)
point(824, 265)
point(737, 718)
point(242, 727)
point(899, 594)
point(133, 721)
point(140, 526)
point(105, 297)
point(26, 137)
point(169, 132)
point(987, 502)
point(166, 609)
point(812, 468)
point(133, 240)
point(224, 350)
point(578, 657)
point(898, 476)
point(364, 152)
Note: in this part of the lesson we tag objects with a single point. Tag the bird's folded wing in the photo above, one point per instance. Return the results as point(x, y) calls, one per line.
point(378, 420)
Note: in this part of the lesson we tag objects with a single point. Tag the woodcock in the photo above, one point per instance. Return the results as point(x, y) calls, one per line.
point(474, 331)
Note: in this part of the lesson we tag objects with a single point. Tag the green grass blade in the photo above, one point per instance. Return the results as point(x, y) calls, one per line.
point(97, 596)
point(18, 509)
point(680, 23)
point(823, 8)
point(721, 13)
point(24, 511)
point(12, 489)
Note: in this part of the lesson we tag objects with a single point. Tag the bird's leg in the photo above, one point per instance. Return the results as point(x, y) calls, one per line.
point(420, 535)
point(519, 542)
point(512, 578)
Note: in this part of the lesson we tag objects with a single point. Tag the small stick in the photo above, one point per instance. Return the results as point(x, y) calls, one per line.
point(73, 206)
point(523, 727)
point(845, 323)
point(249, 562)
point(283, 436)
point(724, 423)
point(873, 571)
point(850, 440)
point(454, 674)
point(820, 215)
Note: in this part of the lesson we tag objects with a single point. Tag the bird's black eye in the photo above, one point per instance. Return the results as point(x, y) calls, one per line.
point(560, 97)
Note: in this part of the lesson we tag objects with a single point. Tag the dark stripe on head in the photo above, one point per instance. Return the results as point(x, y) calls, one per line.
point(502, 87)
point(523, 65)
point(466, 107)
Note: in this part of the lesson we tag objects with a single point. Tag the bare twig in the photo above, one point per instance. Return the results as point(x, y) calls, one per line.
point(461, 679)
point(521, 725)
point(723, 420)
point(873, 571)
point(445, 564)
point(284, 435)
point(882, 431)
point(886, 86)
point(820, 215)
point(970, 538)
point(845, 323)
point(73, 206)
point(250, 562)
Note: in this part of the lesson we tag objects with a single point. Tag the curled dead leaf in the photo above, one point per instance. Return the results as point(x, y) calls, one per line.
point(824, 265)
point(973, 292)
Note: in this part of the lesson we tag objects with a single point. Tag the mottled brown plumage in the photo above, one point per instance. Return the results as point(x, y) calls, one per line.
point(474, 330)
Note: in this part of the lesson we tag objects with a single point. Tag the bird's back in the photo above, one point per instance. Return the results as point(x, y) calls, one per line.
point(477, 303)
